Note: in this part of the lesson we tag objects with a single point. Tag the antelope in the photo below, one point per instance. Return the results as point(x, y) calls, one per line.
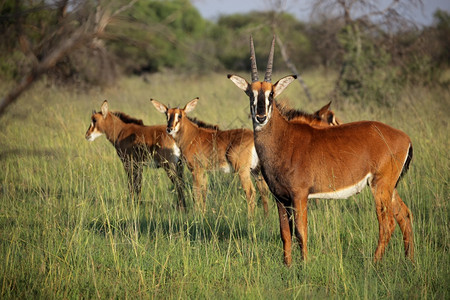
point(300, 162)
point(206, 149)
point(325, 114)
point(323, 117)
point(137, 144)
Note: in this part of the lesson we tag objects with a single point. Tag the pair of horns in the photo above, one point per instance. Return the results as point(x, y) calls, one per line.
point(268, 76)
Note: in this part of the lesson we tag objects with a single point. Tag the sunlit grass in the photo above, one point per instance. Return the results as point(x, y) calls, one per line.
point(69, 230)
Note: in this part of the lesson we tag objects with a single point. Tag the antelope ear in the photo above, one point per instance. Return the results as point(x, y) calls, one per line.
point(281, 84)
point(105, 109)
point(159, 106)
point(327, 107)
point(239, 82)
point(191, 105)
point(323, 111)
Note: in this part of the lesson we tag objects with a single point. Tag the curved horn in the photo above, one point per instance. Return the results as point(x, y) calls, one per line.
point(253, 61)
point(268, 76)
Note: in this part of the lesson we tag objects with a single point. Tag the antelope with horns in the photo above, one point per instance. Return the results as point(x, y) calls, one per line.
point(136, 145)
point(206, 149)
point(210, 148)
point(300, 162)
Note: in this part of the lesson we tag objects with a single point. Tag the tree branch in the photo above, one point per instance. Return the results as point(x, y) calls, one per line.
point(86, 33)
point(292, 67)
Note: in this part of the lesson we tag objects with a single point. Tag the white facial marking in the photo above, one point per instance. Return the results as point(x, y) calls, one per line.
point(255, 99)
point(266, 97)
point(344, 192)
point(269, 114)
point(176, 122)
point(268, 108)
point(94, 134)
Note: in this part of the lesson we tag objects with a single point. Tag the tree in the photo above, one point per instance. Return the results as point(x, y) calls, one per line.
point(56, 33)
point(154, 35)
point(366, 39)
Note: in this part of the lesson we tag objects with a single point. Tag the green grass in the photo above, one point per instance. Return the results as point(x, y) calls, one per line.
point(69, 230)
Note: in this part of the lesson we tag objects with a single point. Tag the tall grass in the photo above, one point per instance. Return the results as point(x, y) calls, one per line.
point(69, 230)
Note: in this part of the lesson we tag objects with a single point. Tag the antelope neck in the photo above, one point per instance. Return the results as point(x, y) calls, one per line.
point(272, 124)
point(114, 128)
point(182, 138)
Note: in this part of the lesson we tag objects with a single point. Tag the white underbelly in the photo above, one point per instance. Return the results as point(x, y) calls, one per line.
point(344, 192)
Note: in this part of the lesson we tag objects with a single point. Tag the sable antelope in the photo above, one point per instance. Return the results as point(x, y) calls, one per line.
point(137, 144)
point(300, 162)
point(325, 114)
point(206, 140)
point(210, 149)
point(323, 117)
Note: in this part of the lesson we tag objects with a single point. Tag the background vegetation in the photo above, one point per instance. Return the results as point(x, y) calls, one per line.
point(373, 51)
point(67, 226)
point(69, 230)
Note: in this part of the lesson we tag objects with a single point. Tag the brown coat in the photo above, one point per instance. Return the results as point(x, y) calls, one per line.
point(137, 145)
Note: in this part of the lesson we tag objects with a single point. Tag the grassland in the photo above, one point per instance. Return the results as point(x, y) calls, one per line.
point(69, 230)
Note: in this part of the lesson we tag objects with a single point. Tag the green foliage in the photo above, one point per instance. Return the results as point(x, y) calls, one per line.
point(15, 23)
point(427, 57)
point(367, 68)
point(12, 64)
point(375, 65)
point(442, 25)
point(69, 230)
point(157, 35)
point(232, 38)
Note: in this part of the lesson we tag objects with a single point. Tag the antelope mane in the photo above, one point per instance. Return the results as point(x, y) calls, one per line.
point(202, 124)
point(292, 113)
point(127, 119)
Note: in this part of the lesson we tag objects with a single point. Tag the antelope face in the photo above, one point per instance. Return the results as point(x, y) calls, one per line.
point(327, 115)
point(261, 101)
point(93, 131)
point(261, 93)
point(175, 116)
point(97, 122)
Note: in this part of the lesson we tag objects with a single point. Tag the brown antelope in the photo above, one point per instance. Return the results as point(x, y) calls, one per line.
point(136, 145)
point(323, 117)
point(300, 162)
point(325, 114)
point(207, 149)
